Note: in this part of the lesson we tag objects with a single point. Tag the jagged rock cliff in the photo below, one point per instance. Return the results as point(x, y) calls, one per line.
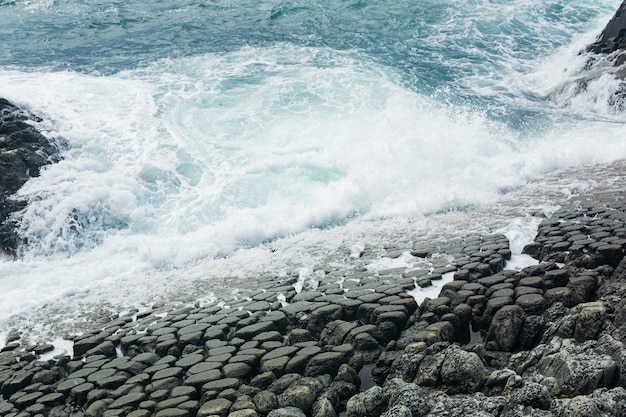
point(613, 37)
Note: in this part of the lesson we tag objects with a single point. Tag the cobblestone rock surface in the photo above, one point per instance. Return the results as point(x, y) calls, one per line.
point(546, 340)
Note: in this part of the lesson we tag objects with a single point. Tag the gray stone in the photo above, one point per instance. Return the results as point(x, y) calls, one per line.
point(193, 328)
point(533, 281)
point(269, 336)
point(263, 380)
point(28, 399)
point(336, 331)
point(112, 382)
point(590, 321)
point(221, 384)
point(149, 358)
point(582, 406)
point(561, 295)
point(556, 278)
point(101, 374)
point(203, 367)
point(370, 403)
point(406, 395)
point(216, 407)
point(298, 395)
point(106, 348)
point(172, 402)
point(16, 382)
point(51, 399)
point(165, 383)
point(533, 395)
point(276, 365)
point(398, 410)
point(131, 399)
point(471, 405)
point(159, 395)
point(188, 361)
point(324, 363)
point(193, 338)
point(583, 288)
point(299, 335)
point(395, 314)
point(297, 364)
point(169, 372)
point(96, 409)
point(443, 331)
point(202, 378)
point(322, 407)
point(79, 393)
point(140, 413)
point(100, 394)
point(578, 369)
point(504, 292)
point(533, 327)
point(248, 332)
point(237, 370)
point(521, 290)
point(286, 412)
point(173, 412)
point(320, 317)
point(68, 384)
point(281, 351)
point(492, 307)
point(462, 371)
point(265, 401)
point(505, 329)
point(184, 390)
point(532, 304)
point(246, 412)
point(81, 346)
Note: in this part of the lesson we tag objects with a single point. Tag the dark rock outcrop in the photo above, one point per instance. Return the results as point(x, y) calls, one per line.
point(602, 77)
point(613, 36)
point(23, 151)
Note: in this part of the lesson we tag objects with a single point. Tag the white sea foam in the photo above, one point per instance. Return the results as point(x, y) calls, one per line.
point(420, 294)
point(193, 158)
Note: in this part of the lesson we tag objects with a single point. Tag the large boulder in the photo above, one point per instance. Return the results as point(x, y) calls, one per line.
point(505, 329)
point(370, 403)
point(462, 371)
point(408, 395)
point(578, 369)
point(453, 369)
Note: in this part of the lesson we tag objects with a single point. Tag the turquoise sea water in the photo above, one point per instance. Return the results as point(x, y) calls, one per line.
point(200, 129)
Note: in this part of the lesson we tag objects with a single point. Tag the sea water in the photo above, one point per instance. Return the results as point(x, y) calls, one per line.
point(213, 138)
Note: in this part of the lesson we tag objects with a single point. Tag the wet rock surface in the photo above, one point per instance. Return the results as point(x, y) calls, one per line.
point(546, 340)
point(23, 151)
point(613, 37)
point(602, 73)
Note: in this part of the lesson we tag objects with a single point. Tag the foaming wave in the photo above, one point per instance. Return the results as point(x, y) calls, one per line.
point(197, 157)
point(596, 85)
point(587, 84)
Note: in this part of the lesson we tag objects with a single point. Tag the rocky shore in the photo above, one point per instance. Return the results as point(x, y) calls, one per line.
point(546, 340)
point(543, 341)
point(23, 152)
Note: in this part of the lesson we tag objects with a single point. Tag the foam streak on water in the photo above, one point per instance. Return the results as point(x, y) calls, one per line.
point(349, 120)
